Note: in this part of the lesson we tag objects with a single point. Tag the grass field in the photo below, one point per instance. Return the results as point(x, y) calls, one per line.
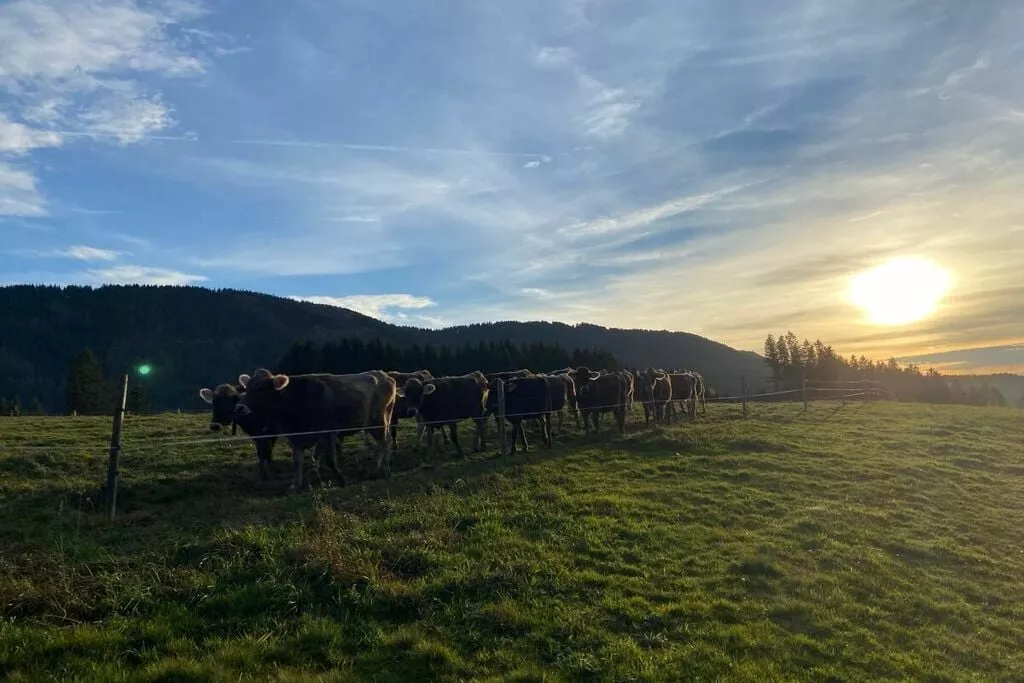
point(872, 542)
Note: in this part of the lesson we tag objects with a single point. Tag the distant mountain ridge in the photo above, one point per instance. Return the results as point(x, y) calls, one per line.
point(193, 337)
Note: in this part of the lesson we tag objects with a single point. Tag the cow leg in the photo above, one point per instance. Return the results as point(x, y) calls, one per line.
point(597, 421)
point(517, 430)
point(454, 431)
point(297, 458)
point(383, 451)
point(546, 426)
point(522, 433)
point(620, 417)
point(334, 443)
point(393, 433)
point(480, 438)
point(420, 429)
point(430, 440)
point(263, 456)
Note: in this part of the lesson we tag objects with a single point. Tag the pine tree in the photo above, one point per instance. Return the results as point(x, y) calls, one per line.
point(771, 356)
point(138, 400)
point(35, 407)
point(84, 390)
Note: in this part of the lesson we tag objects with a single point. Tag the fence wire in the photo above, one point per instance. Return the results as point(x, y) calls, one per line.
point(175, 441)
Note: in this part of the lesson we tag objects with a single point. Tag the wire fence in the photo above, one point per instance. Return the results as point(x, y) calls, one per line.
point(150, 443)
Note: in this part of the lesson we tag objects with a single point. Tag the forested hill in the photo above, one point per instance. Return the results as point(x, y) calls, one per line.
point(195, 337)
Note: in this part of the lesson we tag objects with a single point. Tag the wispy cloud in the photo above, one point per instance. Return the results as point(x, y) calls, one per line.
point(18, 193)
point(393, 308)
point(400, 149)
point(647, 215)
point(141, 275)
point(85, 253)
point(17, 138)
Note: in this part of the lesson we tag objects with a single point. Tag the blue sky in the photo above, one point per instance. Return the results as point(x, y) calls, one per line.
point(722, 168)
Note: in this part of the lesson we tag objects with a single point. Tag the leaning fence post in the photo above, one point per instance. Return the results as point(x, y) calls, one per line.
point(501, 417)
point(115, 449)
point(743, 393)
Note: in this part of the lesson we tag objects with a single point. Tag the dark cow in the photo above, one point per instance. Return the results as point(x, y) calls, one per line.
point(492, 405)
point(654, 391)
point(683, 392)
point(528, 398)
point(563, 393)
point(224, 399)
point(405, 409)
point(597, 394)
point(570, 398)
point(321, 410)
point(443, 401)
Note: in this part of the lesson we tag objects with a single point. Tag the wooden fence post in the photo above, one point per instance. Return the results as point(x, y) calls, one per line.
point(743, 394)
point(115, 449)
point(501, 418)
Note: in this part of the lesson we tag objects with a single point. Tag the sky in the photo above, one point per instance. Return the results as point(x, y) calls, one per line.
point(718, 167)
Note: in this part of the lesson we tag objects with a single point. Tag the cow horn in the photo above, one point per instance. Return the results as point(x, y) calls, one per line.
point(594, 375)
point(243, 379)
point(206, 395)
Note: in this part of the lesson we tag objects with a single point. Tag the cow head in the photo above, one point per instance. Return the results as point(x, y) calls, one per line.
point(260, 392)
point(415, 390)
point(584, 379)
point(491, 404)
point(224, 399)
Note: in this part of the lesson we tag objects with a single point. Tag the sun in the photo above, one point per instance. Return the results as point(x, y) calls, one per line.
point(900, 291)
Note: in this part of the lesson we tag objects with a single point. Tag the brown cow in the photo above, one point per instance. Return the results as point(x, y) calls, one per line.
point(320, 410)
point(654, 391)
point(597, 394)
point(443, 401)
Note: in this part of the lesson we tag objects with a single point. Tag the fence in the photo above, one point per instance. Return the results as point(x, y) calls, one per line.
point(839, 392)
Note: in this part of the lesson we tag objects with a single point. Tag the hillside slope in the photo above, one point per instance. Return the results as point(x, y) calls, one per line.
point(194, 337)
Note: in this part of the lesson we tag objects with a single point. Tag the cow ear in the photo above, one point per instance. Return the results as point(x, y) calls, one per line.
point(429, 388)
point(206, 395)
point(400, 392)
point(243, 379)
point(280, 382)
point(510, 386)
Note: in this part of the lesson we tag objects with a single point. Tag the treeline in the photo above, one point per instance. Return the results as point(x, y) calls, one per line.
point(193, 337)
point(355, 355)
point(791, 360)
point(86, 392)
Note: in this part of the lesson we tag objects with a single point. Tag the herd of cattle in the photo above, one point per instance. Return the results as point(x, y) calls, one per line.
point(319, 410)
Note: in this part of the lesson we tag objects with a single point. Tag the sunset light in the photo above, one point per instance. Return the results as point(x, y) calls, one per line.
point(900, 291)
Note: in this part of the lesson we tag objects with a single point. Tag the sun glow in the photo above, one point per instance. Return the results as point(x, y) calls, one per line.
point(900, 291)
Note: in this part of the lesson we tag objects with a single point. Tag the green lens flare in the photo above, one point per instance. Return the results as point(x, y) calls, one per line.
point(145, 369)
